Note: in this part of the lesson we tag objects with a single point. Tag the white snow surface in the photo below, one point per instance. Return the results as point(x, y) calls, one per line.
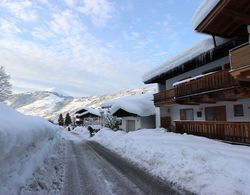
point(141, 105)
point(183, 57)
point(192, 78)
point(25, 141)
point(56, 90)
point(203, 10)
point(195, 163)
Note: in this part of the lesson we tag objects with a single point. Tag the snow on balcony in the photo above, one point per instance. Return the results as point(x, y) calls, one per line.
point(203, 10)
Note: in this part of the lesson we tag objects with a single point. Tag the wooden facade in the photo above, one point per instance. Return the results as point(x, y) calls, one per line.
point(164, 98)
point(240, 63)
point(218, 80)
point(222, 130)
point(166, 122)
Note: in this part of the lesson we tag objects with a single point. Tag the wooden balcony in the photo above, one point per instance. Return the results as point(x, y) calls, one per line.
point(209, 83)
point(210, 88)
point(228, 131)
point(240, 62)
point(164, 98)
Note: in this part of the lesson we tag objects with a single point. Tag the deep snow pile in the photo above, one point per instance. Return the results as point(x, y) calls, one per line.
point(141, 105)
point(49, 178)
point(82, 131)
point(25, 141)
point(198, 164)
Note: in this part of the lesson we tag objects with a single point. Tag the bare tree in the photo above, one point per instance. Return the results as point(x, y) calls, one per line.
point(5, 86)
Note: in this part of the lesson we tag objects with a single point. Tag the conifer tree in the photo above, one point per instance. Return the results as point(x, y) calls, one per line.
point(60, 120)
point(68, 120)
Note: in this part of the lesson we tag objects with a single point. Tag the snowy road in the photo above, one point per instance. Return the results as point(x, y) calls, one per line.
point(92, 169)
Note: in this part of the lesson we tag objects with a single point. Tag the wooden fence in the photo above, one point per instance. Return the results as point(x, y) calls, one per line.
point(229, 131)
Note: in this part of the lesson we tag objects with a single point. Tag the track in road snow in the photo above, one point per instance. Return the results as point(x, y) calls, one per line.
point(93, 169)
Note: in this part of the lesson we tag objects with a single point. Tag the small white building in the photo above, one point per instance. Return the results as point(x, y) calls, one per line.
point(136, 112)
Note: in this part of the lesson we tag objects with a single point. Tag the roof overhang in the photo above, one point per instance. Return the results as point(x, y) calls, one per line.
point(227, 19)
point(123, 113)
point(198, 61)
point(86, 115)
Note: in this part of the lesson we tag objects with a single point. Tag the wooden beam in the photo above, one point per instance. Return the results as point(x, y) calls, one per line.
point(239, 17)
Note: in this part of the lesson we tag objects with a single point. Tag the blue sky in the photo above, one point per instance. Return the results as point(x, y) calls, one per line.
point(91, 47)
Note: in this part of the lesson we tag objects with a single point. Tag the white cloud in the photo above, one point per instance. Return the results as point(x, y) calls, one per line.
point(70, 3)
point(8, 27)
point(131, 35)
point(60, 50)
point(100, 11)
point(21, 9)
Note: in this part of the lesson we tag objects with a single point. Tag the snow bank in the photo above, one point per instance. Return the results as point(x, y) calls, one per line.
point(141, 105)
point(198, 164)
point(25, 141)
point(82, 131)
point(182, 57)
point(203, 10)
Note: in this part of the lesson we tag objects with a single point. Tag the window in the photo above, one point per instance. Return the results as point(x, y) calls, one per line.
point(187, 114)
point(199, 114)
point(238, 110)
point(217, 113)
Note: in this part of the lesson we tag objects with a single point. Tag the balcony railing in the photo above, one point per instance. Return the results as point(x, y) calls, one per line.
point(229, 131)
point(165, 97)
point(207, 83)
point(240, 56)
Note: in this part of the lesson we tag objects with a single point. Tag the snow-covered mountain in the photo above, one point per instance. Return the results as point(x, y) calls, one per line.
point(49, 104)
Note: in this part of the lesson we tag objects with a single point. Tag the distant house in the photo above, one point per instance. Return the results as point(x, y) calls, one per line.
point(205, 90)
point(88, 116)
point(136, 112)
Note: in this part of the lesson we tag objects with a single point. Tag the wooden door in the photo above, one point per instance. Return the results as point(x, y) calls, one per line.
point(217, 113)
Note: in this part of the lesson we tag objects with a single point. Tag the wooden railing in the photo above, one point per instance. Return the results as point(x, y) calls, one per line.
point(210, 82)
point(229, 131)
point(164, 97)
point(240, 56)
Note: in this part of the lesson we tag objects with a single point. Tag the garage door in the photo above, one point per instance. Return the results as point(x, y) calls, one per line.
point(130, 125)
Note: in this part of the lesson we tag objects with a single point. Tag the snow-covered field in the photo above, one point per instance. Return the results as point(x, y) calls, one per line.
point(198, 164)
point(25, 141)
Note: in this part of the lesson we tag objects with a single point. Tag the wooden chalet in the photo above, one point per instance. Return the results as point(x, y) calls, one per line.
point(209, 94)
point(87, 116)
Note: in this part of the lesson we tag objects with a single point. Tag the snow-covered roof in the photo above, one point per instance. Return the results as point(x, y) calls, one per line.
point(81, 109)
point(203, 10)
point(107, 104)
point(141, 105)
point(182, 57)
point(90, 111)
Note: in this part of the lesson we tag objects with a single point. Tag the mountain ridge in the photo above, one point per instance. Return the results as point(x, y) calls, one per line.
point(49, 104)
